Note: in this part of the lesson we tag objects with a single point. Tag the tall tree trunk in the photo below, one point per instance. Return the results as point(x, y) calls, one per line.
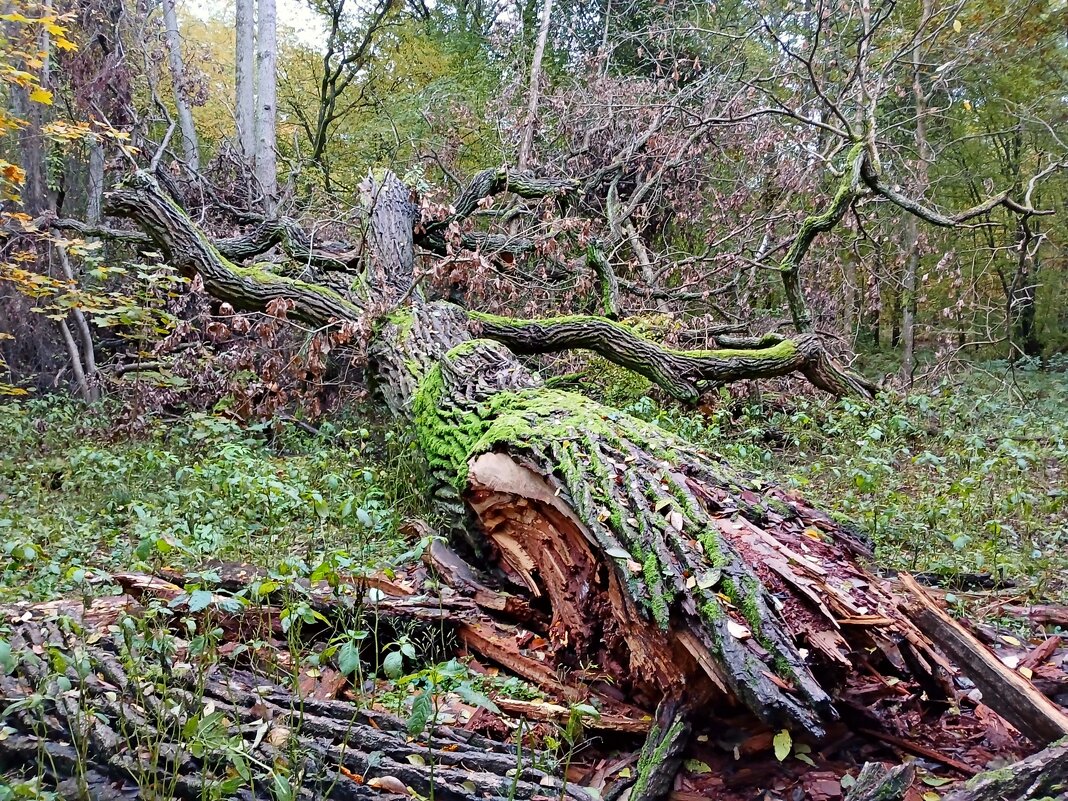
point(908, 300)
point(190, 145)
point(850, 298)
point(894, 289)
point(912, 222)
point(526, 145)
point(95, 183)
point(1022, 310)
point(266, 102)
point(245, 77)
point(31, 140)
point(82, 352)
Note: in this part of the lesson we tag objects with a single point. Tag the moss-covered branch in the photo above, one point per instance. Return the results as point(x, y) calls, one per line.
point(432, 235)
point(249, 288)
point(284, 232)
point(296, 242)
point(607, 282)
point(1040, 776)
point(848, 190)
point(681, 373)
point(496, 180)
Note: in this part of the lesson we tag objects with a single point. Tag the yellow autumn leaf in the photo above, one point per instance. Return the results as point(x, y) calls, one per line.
point(783, 743)
point(956, 25)
point(42, 96)
point(12, 173)
point(20, 77)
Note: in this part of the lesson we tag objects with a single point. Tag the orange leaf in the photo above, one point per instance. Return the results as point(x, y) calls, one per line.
point(356, 777)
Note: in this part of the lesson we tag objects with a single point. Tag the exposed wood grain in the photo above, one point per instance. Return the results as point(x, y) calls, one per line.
point(534, 710)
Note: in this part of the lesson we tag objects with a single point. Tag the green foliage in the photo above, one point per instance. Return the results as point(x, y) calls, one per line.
point(966, 477)
point(425, 88)
point(612, 384)
point(74, 504)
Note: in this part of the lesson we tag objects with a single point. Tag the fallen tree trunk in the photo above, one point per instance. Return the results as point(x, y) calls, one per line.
point(666, 577)
point(684, 575)
point(1040, 776)
point(1006, 691)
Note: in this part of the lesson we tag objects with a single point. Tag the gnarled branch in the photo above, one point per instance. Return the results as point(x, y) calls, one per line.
point(872, 178)
point(188, 249)
point(683, 374)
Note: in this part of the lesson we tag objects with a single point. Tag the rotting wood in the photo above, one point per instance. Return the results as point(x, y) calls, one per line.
point(346, 751)
point(877, 783)
point(535, 710)
point(458, 574)
point(1040, 653)
point(459, 390)
point(911, 747)
point(1043, 775)
point(1043, 614)
point(662, 752)
point(1004, 690)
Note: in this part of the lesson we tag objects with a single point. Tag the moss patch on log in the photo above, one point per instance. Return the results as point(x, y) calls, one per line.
point(640, 492)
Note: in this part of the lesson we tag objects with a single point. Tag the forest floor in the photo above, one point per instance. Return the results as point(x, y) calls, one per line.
point(963, 483)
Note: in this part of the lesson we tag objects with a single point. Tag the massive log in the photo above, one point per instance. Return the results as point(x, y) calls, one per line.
point(668, 578)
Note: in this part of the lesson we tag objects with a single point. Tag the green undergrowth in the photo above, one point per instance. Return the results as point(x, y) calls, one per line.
point(78, 499)
point(970, 476)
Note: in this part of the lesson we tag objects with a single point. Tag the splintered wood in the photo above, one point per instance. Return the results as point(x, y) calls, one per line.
point(548, 551)
point(732, 762)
